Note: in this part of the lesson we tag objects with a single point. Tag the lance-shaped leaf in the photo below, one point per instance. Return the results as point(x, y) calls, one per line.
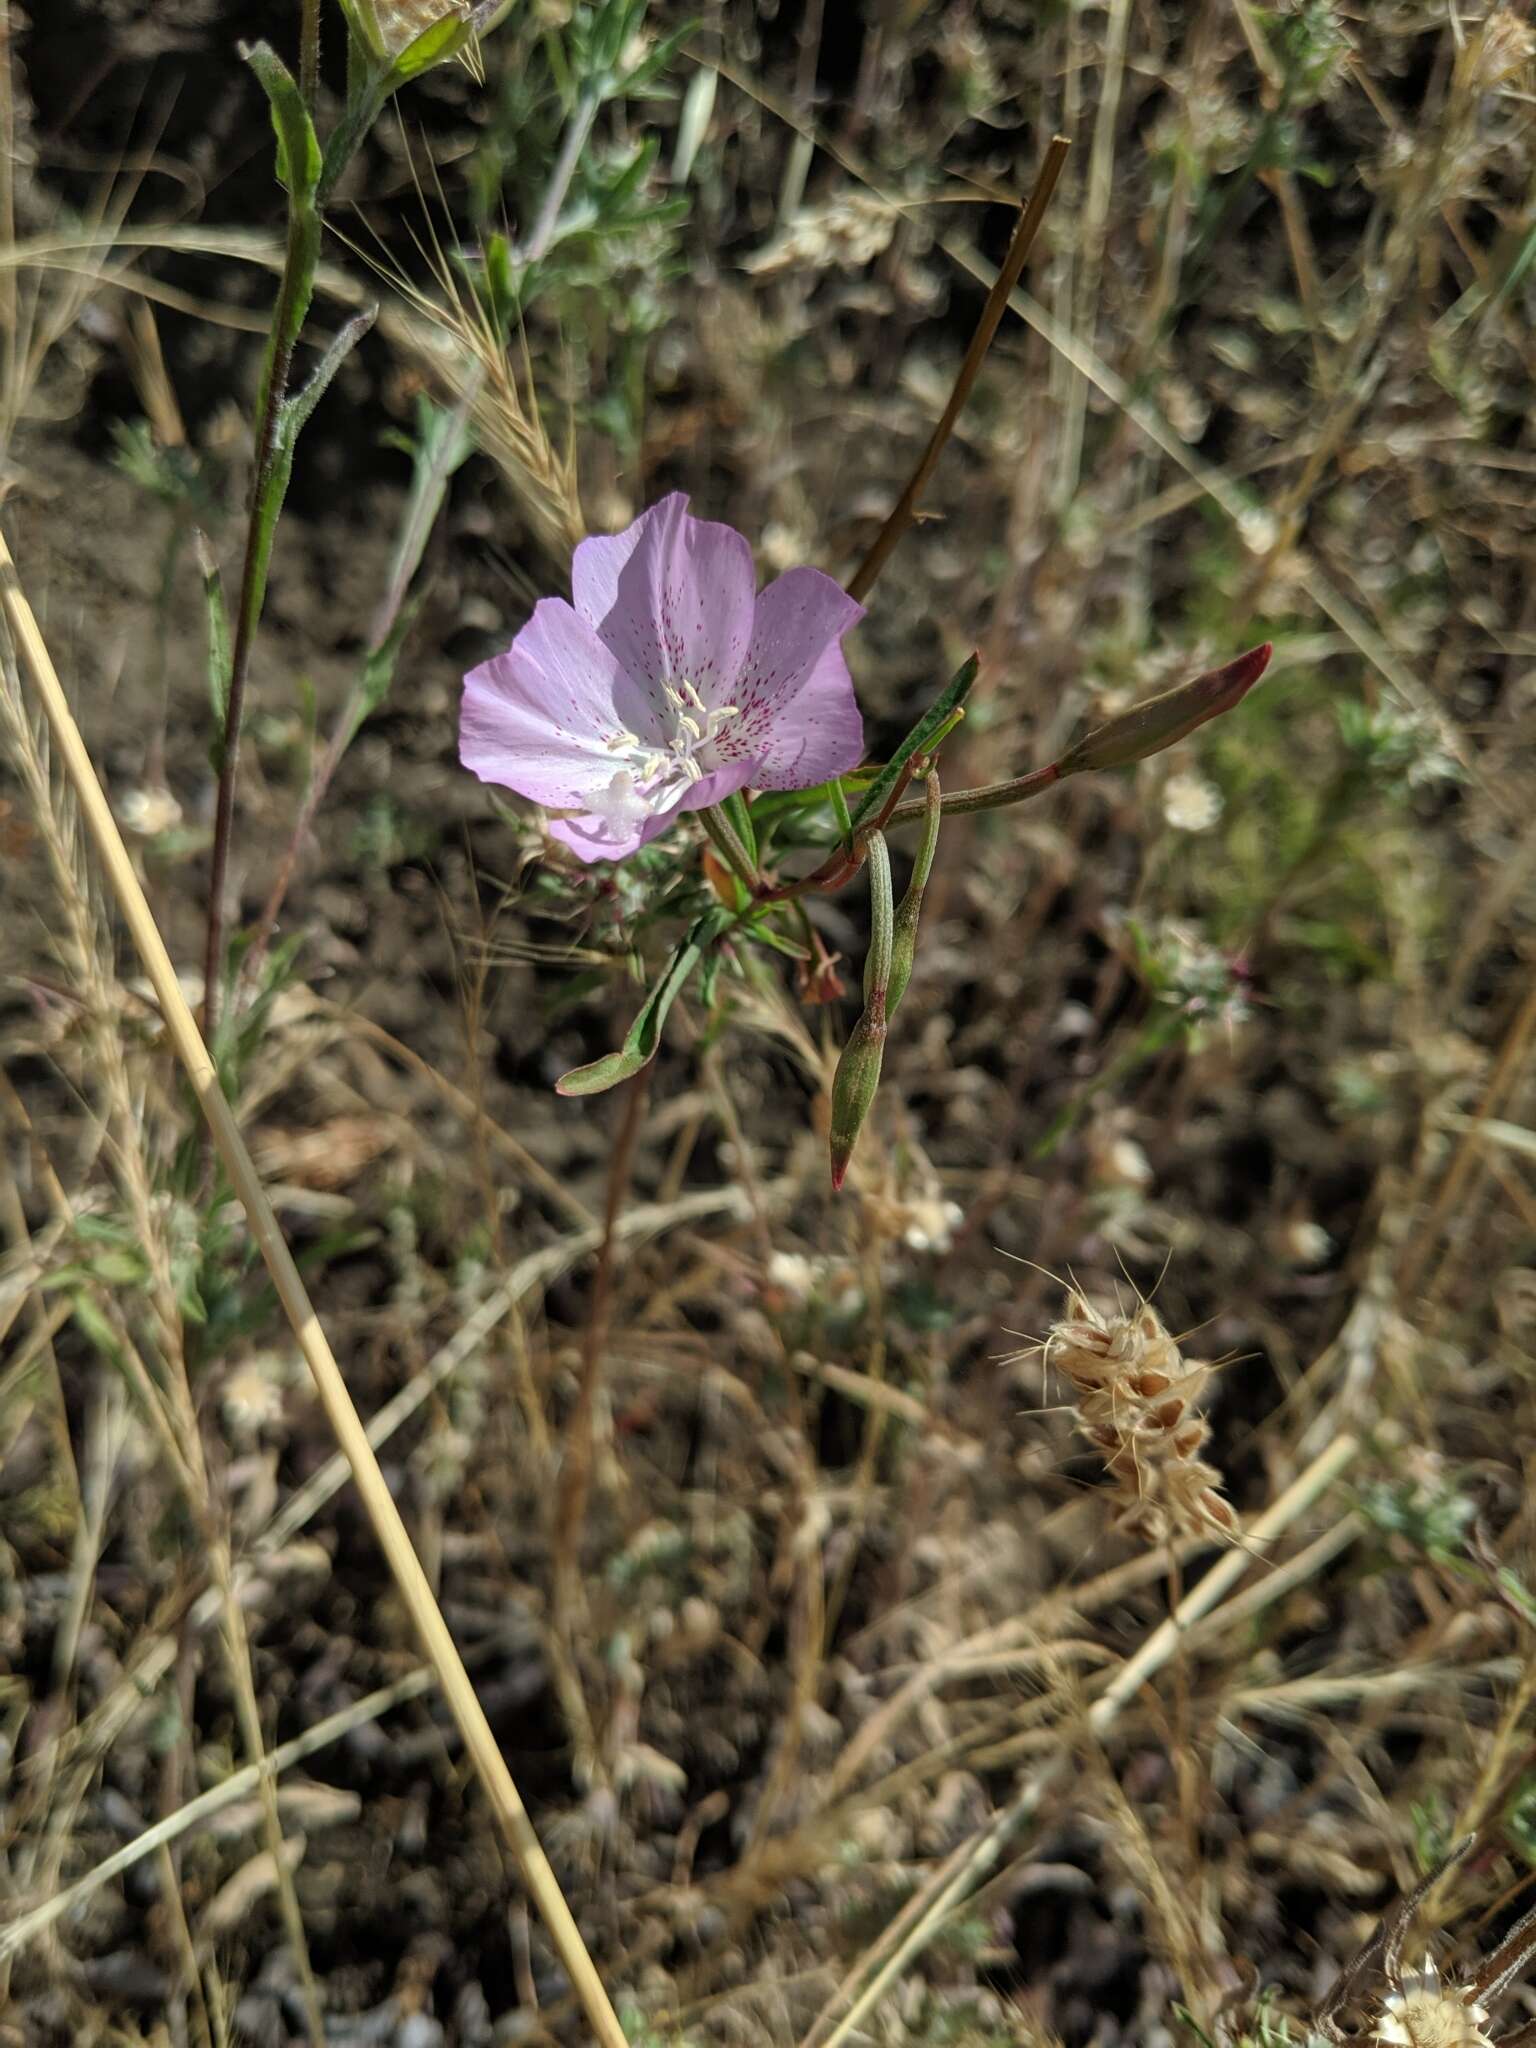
point(298, 147)
point(935, 720)
point(644, 1035)
point(292, 415)
point(220, 659)
point(1162, 721)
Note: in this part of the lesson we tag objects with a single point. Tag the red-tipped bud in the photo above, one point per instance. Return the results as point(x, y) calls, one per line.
point(1162, 721)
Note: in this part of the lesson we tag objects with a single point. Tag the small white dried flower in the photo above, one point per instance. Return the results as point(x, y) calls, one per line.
point(1425, 2012)
point(794, 1275)
point(931, 1224)
point(1190, 803)
point(252, 1400)
point(1123, 1162)
point(1305, 1243)
point(849, 232)
point(149, 812)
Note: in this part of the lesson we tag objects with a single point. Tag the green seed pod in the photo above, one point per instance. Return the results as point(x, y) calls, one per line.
point(1162, 721)
point(854, 1085)
point(904, 934)
point(858, 1071)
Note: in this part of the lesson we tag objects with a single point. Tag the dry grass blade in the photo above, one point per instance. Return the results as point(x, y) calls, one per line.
point(203, 1808)
point(415, 1589)
point(928, 1910)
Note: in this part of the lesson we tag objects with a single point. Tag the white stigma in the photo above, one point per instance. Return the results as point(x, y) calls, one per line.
point(654, 776)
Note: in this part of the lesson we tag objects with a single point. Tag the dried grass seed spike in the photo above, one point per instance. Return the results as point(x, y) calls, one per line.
point(1136, 1396)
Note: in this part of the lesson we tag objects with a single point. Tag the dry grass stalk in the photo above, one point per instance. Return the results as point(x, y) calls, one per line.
point(171, 1407)
point(453, 332)
point(394, 1539)
point(1136, 1406)
point(930, 1908)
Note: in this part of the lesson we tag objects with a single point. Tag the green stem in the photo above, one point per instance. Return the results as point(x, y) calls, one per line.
point(992, 797)
point(268, 485)
point(722, 836)
point(288, 317)
point(309, 52)
point(840, 809)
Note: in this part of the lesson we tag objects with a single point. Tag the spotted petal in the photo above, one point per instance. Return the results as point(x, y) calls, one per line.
point(671, 600)
point(538, 719)
point(798, 716)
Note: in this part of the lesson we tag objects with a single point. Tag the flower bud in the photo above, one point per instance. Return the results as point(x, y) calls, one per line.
point(854, 1084)
point(1162, 721)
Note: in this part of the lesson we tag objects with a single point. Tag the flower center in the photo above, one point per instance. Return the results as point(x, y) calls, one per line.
point(654, 773)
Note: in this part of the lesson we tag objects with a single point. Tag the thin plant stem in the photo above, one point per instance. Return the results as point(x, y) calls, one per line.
point(426, 502)
point(237, 1658)
point(309, 52)
point(578, 128)
point(576, 1472)
point(993, 796)
point(8, 327)
point(238, 1785)
point(292, 302)
point(905, 509)
point(394, 1540)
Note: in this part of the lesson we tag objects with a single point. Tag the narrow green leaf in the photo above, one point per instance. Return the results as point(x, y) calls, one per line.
point(291, 417)
point(838, 797)
point(644, 1035)
point(909, 910)
point(298, 408)
point(739, 811)
point(298, 147)
point(918, 740)
point(379, 670)
point(220, 659)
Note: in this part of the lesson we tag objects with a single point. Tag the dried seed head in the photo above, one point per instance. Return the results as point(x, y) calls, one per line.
point(1136, 1398)
point(1424, 2012)
point(1500, 49)
point(402, 21)
point(392, 29)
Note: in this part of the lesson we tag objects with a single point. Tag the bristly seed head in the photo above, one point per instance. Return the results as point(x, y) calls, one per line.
point(1136, 1396)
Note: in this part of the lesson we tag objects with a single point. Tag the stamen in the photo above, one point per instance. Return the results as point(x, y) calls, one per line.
point(654, 774)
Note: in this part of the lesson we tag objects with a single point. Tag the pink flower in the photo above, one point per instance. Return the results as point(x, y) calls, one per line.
point(669, 684)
